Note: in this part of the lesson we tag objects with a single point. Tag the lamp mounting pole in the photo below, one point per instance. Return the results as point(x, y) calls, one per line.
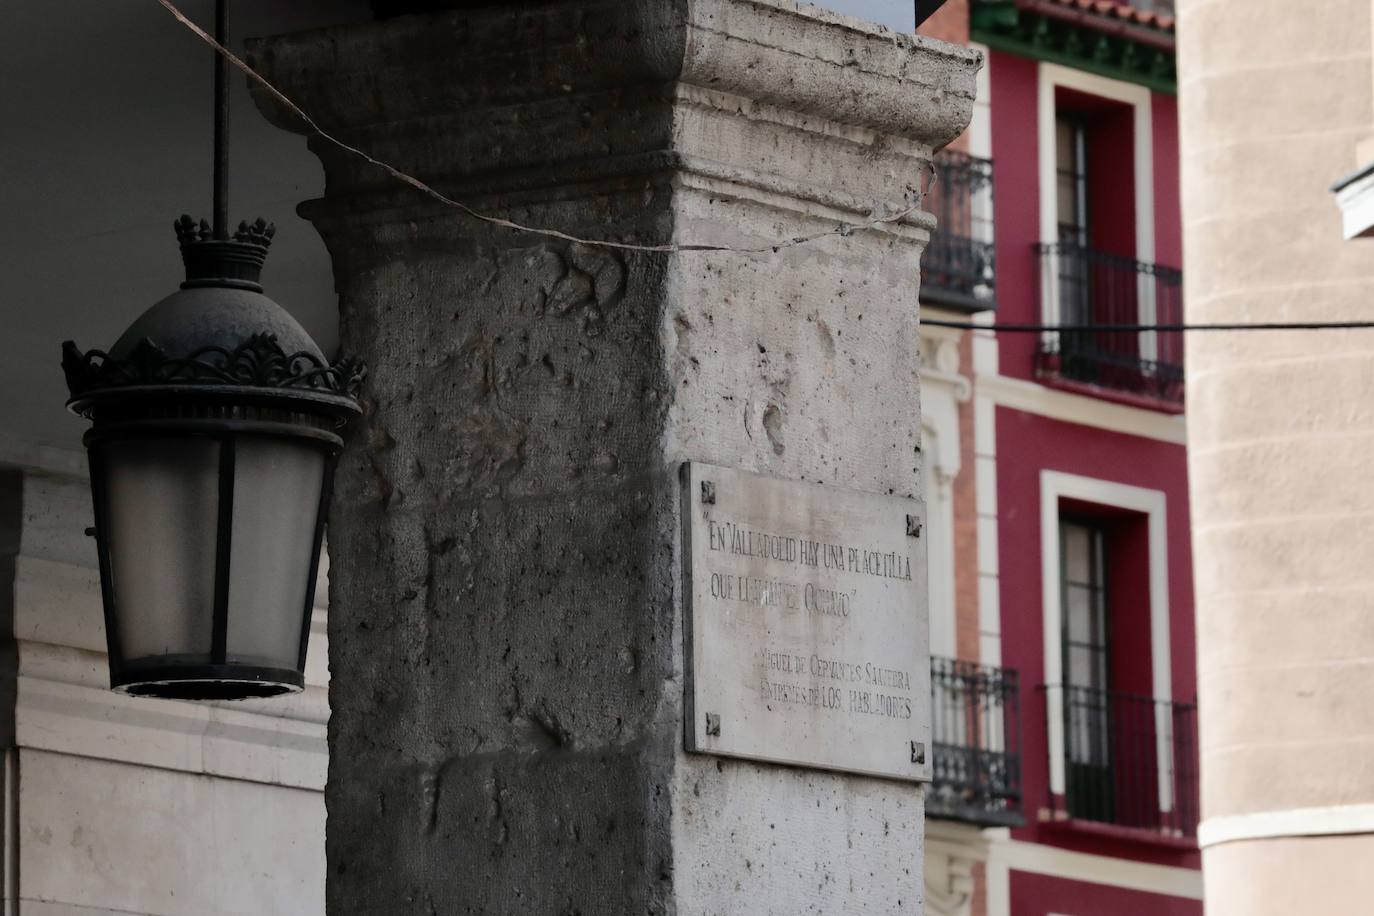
point(221, 196)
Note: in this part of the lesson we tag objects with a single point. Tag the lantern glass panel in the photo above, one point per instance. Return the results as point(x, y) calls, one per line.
point(277, 485)
point(162, 506)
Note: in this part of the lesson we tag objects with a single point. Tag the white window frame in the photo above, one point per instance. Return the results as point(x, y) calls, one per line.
point(943, 389)
point(939, 542)
point(1056, 486)
point(1049, 78)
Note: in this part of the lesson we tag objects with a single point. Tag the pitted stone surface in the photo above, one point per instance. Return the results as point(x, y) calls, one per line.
point(505, 628)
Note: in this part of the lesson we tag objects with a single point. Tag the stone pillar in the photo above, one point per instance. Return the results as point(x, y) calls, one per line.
point(1280, 430)
point(505, 623)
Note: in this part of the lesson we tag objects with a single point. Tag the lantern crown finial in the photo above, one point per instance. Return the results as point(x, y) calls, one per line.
point(235, 263)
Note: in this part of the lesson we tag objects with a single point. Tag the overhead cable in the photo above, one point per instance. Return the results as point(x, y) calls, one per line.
point(1028, 328)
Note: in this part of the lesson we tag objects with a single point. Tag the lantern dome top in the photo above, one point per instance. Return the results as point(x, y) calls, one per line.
point(220, 304)
point(189, 320)
point(217, 337)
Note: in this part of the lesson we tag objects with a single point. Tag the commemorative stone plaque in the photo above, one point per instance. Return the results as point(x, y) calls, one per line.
point(806, 628)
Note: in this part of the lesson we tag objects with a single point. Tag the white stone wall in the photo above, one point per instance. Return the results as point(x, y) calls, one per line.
point(123, 805)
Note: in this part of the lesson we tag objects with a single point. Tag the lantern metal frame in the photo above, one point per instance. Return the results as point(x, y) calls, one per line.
point(256, 389)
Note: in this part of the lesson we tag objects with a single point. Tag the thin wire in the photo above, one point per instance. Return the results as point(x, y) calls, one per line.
point(220, 204)
point(843, 229)
point(1138, 328)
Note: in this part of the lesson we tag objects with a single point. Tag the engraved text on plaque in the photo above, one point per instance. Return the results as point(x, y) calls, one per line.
point(806, 628)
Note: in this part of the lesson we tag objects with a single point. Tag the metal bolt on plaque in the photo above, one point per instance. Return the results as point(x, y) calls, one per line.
point(712, 724)
point(918, 752)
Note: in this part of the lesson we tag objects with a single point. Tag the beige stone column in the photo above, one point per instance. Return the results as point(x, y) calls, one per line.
point(505, 617)
point(1274, 97)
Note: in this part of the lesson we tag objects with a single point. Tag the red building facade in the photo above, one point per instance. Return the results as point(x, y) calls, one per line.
point(1068, 722)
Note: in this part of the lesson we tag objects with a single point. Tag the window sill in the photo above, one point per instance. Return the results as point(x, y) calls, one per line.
point(1087, 389)
point(1140, 835)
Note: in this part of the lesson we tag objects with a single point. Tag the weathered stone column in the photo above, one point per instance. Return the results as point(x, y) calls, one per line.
point(505, 625)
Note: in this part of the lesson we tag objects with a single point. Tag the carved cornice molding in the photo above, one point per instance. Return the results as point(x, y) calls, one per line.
point(844, 70)
point(89, 721)
point(940, 363)
point(1086, 39)
point(582, 180)
point(781, 52)
point(949, 883)
point(953, 850)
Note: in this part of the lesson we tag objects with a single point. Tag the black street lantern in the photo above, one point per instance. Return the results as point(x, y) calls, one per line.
point(216, 422)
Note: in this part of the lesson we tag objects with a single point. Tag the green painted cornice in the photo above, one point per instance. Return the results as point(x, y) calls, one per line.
point(1005, 25)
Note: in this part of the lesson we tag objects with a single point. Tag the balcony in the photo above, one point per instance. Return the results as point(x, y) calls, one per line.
point(1085, 293)
point(957, 268)
point(1129, 764)
point(975, 732)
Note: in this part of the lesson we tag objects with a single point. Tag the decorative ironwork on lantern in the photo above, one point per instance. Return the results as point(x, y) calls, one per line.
point(216, 423)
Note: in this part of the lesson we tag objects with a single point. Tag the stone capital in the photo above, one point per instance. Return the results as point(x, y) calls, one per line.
point(578, 90)
point(790, 54)
point(846, 71)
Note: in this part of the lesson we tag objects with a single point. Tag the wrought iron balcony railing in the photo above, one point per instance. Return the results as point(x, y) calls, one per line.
point(957, 269)
point(1128, 761)
point(1085, 292)
point(975, 728)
